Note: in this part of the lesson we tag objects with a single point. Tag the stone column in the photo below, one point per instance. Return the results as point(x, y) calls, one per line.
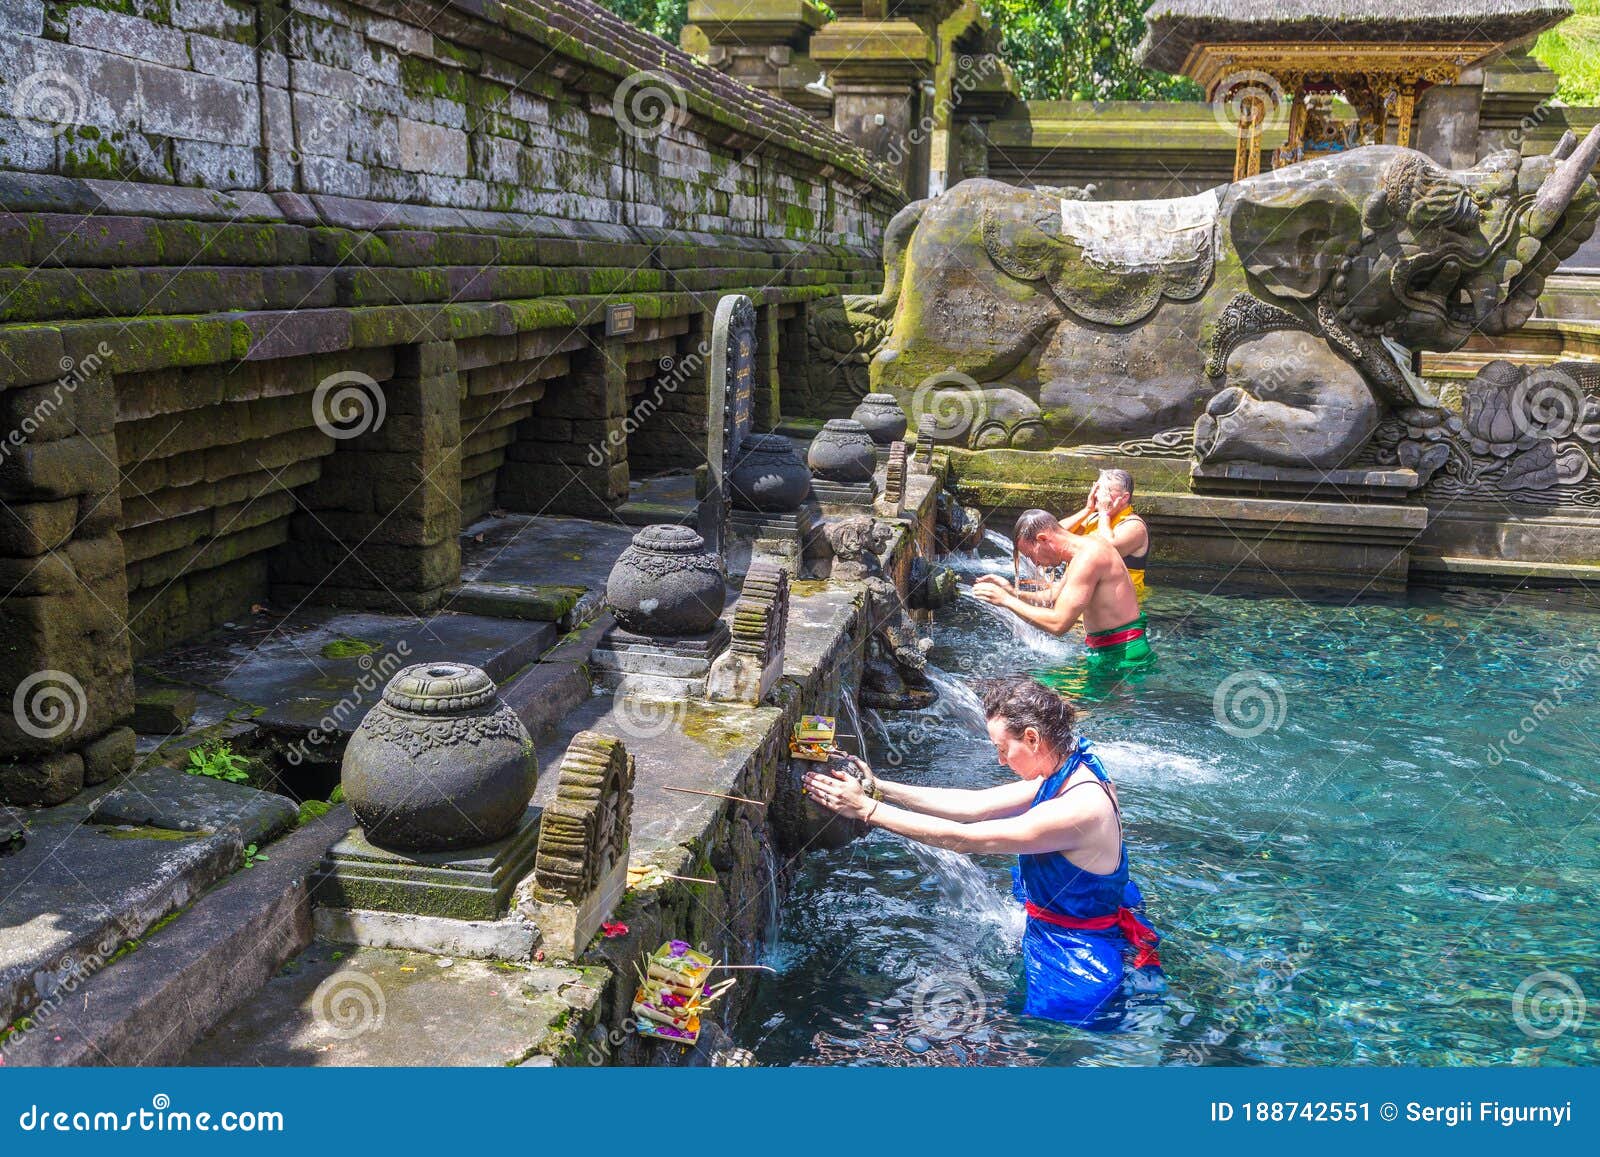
point(877, 68)
point(66, 682)
point(762, 43)
point(380, 528)
point(571, 455)
point(768, 407)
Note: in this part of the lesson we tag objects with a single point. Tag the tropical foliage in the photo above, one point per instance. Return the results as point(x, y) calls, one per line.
point(1080, 50)
point(1057, 49)
point(1572, 51)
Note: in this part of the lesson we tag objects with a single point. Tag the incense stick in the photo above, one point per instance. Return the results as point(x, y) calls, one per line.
point(717, 794)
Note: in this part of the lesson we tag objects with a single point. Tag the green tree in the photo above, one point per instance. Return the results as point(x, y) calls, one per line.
point(665, 18)
point(1057, 49)
point(1080, 50)
point(1572, 51)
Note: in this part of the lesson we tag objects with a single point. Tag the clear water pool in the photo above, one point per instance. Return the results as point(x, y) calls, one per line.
point(1366, 865)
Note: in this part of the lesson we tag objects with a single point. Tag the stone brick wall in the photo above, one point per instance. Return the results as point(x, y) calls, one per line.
point(292, 291)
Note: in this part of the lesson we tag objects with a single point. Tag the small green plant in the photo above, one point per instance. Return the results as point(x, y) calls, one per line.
point(219, 761)
point(313, 809)
point(252, 857)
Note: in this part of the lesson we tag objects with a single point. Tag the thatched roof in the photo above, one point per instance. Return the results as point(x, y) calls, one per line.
point(1175, 27)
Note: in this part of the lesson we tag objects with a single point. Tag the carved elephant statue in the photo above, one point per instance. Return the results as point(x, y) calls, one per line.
point(1272, 320)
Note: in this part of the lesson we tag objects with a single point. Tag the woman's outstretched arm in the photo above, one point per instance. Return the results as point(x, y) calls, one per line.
point(964, 805)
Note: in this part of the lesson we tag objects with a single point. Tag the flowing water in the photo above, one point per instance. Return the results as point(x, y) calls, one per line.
point(1368, 833)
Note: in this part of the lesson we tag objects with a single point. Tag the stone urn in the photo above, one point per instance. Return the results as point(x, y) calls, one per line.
point(440, 763)
point(842, 452)
point(768, 475)
point(667, 583)
point(883, 418)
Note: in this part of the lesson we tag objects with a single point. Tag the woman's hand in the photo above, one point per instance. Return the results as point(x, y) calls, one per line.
point(839, 792)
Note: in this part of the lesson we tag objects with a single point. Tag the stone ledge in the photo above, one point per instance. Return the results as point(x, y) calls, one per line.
point(150, 1007)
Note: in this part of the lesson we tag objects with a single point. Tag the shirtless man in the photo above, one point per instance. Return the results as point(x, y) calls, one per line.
point(1095, 588)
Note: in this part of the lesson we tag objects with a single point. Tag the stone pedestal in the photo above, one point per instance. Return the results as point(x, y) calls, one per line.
point(656, 667)
point(470, 884)
point(844, 497)
point(779, 539)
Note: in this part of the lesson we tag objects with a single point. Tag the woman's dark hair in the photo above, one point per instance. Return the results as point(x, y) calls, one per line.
point(1023, 702)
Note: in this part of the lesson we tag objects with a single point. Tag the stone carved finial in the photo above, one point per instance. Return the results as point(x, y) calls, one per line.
point(754, 660)
point(583, 834)
point(762, 612)
point(922, 461)
point(894, 483)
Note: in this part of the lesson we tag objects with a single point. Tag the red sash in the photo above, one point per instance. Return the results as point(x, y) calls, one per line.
point(1112, 638)
point(1138, 933)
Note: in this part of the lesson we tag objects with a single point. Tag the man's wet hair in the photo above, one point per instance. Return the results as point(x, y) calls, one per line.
point(1121, 479)
point(1031, 524)
point(1024, 702)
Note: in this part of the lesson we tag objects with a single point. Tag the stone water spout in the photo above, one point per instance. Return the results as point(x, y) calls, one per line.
point(1561, 187)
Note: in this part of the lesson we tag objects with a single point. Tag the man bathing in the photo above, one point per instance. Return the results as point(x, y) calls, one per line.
point(1109, 515)
point(1095, 588)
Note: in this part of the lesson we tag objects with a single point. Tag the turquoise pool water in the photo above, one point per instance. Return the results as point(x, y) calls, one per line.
point(1366, 865)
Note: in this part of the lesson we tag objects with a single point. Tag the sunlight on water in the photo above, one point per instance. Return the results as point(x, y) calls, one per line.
point(1365, 879)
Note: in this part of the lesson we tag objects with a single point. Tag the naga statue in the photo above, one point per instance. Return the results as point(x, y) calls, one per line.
point(1272, 320)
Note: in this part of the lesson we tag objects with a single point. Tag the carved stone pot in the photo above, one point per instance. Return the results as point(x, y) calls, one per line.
point(667, 583)
point(882, 416)
point(768, 475)
point(440, 763)
point(842, 452)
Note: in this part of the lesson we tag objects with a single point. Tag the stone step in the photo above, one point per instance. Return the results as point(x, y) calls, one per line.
point(341, 1006)
point(87, 888)
point(645, 513)
point(1501, 571)
point(563, 605)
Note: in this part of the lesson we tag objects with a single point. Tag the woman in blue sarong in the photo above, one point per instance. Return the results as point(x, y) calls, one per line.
point(1086, 941)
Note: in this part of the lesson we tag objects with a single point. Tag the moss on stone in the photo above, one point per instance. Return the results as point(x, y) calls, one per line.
point(345, 647)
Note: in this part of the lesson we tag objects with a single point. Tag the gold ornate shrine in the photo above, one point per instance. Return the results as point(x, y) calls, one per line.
point(1380, 81)
point(1259, 59)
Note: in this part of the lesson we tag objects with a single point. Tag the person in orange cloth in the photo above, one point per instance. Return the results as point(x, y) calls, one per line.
point(1109, 515)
